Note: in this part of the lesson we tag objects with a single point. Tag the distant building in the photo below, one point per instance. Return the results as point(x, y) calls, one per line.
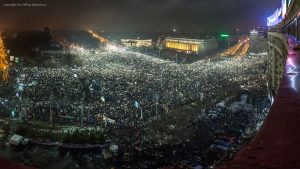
point(136, 42)
point(195, 46)
point(52, 49)
point(46, 29)
point(54, 52)
point(254, 35)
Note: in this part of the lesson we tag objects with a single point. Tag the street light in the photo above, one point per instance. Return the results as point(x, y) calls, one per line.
point(156, 96)
point(82, 110)
point(51, 113)
point(137, 105)
point(197, 89)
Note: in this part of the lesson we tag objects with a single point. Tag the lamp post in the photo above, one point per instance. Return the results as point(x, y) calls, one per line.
point(51, 113)
point(82, 110)
point(141, 113)
point(156, 104)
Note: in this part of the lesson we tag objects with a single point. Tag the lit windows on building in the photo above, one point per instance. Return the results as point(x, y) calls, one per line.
point(183, 46)
point(190, 45)
point(136, 42)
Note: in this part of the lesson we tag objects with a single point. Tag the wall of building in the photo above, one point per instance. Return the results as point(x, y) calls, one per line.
point(182, 46)
point(278, 48)
point(137, 42)
point(190, 45)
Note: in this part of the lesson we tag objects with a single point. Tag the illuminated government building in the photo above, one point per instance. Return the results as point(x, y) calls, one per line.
point(137, 42)
point(195, 46)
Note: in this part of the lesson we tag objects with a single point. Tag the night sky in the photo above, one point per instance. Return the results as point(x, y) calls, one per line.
point(119, 15)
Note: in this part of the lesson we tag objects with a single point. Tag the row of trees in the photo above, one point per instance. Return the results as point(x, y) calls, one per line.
point(84, 137)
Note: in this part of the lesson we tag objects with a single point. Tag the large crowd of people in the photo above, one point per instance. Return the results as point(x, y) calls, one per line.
point(122, 85)
point(124, 92)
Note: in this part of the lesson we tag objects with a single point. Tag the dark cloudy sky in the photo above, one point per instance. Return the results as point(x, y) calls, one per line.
point(138, 14)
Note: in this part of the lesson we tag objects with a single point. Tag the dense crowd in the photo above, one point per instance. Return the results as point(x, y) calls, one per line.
point(123, 85)
point(124, 92)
